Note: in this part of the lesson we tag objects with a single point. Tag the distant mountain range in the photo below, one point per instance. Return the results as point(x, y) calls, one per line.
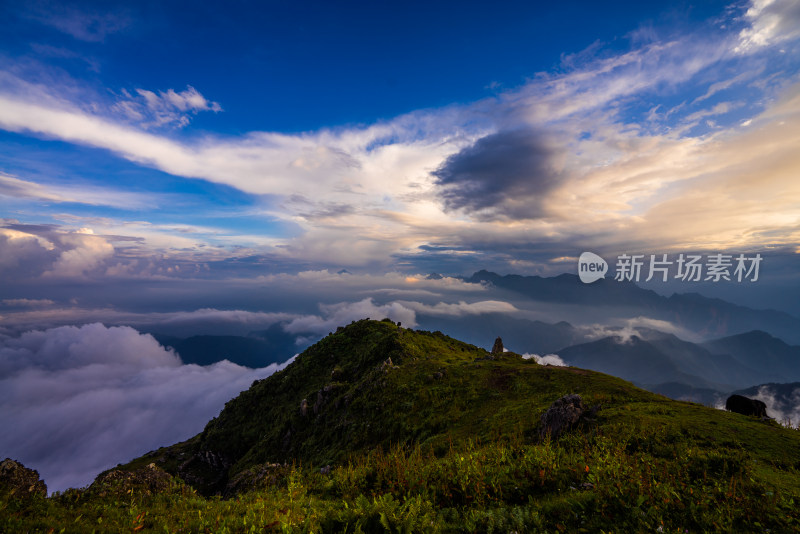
point(258, 349)
point(521, 335)
point(748, 347)
point(707, 317)
point(662, 362)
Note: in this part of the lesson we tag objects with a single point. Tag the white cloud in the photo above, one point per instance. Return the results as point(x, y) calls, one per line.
point(13, 187)
point(16, 188)
point(723, 85)
point(343, 313)
point(547, 359)
point(366, 282)
point(635, 327)
point(719, 109)
point(165, 108)
point(662, 326)
point(593, 84)
point(461, 308)
point(621, 178)
point(17, 247)
point(205, 320)
point(785, 410)
point(121, 393)
point(83, 253)
point(770, 22)
point(70, 347)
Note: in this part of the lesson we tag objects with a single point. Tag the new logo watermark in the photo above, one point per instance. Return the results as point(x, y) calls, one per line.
point(684, 267)
point(591, 267)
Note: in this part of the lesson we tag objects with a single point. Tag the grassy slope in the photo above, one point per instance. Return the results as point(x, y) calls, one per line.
point(446, 439)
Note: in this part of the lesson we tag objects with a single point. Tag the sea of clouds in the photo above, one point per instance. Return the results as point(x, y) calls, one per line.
point(75, 401)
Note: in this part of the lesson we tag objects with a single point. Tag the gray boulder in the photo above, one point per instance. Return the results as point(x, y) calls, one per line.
point(563, 415)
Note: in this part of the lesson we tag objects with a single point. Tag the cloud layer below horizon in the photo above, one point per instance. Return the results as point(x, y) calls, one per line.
point(76, 401)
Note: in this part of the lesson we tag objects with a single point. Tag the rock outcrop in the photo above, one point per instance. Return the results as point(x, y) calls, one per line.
point(19, 481)
point(147, 480)
point(257, 477)
point(564, 414)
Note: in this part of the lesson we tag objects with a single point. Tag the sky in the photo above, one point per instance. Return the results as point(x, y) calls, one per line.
point(193, 167)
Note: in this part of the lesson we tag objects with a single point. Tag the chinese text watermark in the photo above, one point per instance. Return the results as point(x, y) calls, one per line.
point(684, 267)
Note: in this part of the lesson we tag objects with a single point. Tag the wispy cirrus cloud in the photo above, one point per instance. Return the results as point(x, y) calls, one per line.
point(90, 25)
point(165, 108)
point(17, 188)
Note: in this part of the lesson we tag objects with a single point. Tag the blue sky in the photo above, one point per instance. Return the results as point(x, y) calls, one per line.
point(160, 142)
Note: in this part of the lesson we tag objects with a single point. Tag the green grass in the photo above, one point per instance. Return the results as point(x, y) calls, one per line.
point(445, 440)
point(623, 478)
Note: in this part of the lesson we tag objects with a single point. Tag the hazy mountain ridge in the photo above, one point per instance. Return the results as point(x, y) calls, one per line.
point(707, 317)
point(257, 349)
point(680, 369)
point(759, 350)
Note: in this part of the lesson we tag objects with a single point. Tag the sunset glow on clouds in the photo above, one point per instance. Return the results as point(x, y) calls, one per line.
point(616, 143)
point(629, 143)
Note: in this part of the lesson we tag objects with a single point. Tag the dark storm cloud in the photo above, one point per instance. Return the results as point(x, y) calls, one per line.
point(502, 175)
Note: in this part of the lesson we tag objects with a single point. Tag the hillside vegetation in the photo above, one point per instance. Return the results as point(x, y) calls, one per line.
point(380, 428)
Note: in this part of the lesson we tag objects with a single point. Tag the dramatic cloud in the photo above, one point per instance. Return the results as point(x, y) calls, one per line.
point(51, 253)
point(84, 253)
point(503, 175)
point(75, 401)
point(23, 254)
point(617, 149)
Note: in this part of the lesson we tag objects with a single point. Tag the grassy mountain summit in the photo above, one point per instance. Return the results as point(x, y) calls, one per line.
point(382, 428)
point(374, 383)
